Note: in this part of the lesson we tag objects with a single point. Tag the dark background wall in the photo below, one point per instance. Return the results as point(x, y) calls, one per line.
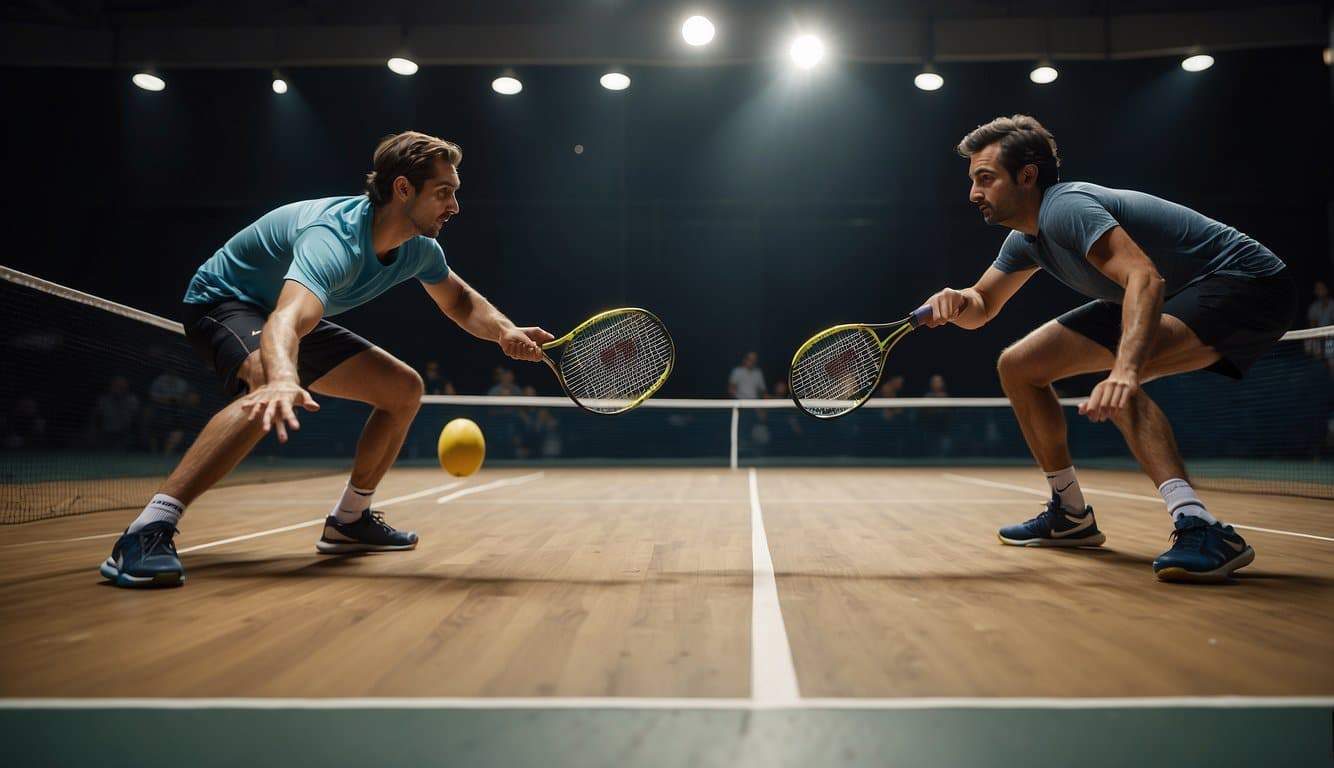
point(746, 207)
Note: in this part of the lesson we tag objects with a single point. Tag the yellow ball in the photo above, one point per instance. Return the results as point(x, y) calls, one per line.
point(461, 448)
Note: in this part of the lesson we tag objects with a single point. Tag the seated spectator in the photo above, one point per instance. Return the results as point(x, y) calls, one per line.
point(25, 427)
point(504, 383)
point(115, 416)
point(171, 404)
point(435, 382)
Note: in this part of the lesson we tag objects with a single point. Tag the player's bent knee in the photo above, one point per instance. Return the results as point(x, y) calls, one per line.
point(1016, 367)
point(403, 391)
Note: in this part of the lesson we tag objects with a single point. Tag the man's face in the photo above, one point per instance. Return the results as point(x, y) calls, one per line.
point(750, 360)
point(994, 191)
point(1321, 291)
point(432, 205)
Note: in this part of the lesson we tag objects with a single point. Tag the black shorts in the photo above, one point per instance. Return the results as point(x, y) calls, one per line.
point(225, 333)
point(1240, 317)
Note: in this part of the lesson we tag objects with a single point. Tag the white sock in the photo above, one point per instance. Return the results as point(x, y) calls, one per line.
point(1181, 500)
point(1066, 487)
point(161, 508)
point(355, 501)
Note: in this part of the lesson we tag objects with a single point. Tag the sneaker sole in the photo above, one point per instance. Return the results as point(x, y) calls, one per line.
point(111, 573)
point(1215, 576)
point(1087, 541)
point(343, 547)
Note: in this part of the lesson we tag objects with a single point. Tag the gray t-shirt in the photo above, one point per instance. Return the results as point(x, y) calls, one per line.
point(1184, 245)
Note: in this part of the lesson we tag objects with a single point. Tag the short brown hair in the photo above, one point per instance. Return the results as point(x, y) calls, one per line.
point(409, 154)
point(1023, 141)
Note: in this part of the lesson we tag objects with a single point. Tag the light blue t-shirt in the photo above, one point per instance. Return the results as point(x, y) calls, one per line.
point(1184, 245)
point(323, 244)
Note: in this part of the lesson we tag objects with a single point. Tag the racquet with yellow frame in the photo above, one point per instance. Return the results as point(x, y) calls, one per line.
point(613, 361)
point(837, 369)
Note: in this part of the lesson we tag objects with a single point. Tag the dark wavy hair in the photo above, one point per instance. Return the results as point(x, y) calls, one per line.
point(1023, 141)
point(410, 154)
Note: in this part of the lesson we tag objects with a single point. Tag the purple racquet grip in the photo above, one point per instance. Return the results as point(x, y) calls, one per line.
point(920, 315)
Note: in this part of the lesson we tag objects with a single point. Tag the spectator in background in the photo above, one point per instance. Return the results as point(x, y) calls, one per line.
point(1319, 315)
point(747, 380)
point(171, 403)
point(114, 416)
point(25, 427)
point(892, 423)
point(504, 383)
point(890, 387)
point(435, 383)
point(786, 424)
point(935, 422)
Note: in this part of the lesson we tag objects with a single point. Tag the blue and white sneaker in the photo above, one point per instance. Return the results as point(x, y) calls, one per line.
point(1202, 552)
point(370, 533)
point(1055, 527)
point(145, 558)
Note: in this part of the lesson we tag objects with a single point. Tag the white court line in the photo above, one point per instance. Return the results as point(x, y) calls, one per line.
point(379, 505)
point(773, 677)
point(626, 702)
point(771, 502)
point(385, 503)
point(1121, 495)
point(507, 482)
point(61, 541)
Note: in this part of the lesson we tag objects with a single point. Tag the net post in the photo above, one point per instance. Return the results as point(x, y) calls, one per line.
point(736, 416)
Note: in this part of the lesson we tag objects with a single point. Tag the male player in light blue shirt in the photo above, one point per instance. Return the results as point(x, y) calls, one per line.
point(1173, 291)
point(256, 312)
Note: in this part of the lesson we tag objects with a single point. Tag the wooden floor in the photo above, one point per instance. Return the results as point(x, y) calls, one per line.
point(638, 583)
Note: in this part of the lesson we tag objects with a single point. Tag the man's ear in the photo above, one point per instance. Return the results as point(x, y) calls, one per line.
point(1028, 175)
point(402, 187)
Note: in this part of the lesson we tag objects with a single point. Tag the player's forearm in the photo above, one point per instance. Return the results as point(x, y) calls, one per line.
point(474, 314)
point(1141, 310)
point(974, 315)
point(278, 348)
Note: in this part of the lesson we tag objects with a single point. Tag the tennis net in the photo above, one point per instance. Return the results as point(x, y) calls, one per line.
point(98, 401)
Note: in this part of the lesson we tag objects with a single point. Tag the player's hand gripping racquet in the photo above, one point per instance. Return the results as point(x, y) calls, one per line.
point(614, 360)
point(836, 370)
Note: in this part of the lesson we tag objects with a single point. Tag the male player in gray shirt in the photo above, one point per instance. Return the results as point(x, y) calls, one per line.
point(1172, 291)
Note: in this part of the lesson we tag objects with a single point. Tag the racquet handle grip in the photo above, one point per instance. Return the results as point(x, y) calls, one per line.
point(920, 315)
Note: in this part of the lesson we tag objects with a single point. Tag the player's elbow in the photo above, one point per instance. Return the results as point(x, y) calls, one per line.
point(1148, 283)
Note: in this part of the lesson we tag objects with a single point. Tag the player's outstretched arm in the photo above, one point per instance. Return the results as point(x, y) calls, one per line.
point(974, 307)
point(462, 303)
point(1118, 257)
point(275, 402)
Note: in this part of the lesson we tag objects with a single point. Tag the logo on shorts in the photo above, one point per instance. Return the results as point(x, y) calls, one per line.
point(256, 333)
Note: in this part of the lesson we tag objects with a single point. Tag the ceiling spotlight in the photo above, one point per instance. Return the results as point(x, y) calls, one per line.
point(148, 82)
point(279, 84)
point(401, 66)
point(1197, 63)
point(697, 31)
point(508, 86)
point(806, 51)
point(928, 80)
point(1043, 74)
point(615, 81)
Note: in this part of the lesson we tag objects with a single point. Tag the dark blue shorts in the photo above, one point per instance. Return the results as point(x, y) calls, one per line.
point(225, 333)
point(1240, 317)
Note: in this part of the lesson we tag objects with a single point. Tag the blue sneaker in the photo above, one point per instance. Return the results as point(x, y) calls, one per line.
point(1202, 552)
point(370, 533)
point(1054, 527)
point(145, 558)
